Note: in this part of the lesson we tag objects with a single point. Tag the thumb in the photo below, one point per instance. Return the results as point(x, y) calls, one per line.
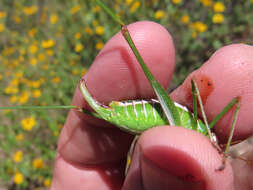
point(176, 158)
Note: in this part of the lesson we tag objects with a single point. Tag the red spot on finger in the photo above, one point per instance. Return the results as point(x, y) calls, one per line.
point(205, 86)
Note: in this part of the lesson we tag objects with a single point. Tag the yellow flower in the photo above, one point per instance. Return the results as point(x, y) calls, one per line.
point(41, 57)
point(33, 48)
point(1, 77)
point(47, 43)
point(96, 9)
point(75, 9)
point(176, 1)
point(88, 30)
point(32, 32)
point(22, 51)
point(2, 14)
point(14, 82)
point(50, 52)
point(200, 26)
point(19, 137)
point(18, 178)
point(19, 74)
point(18, 156)
point(56, 80)
point(94, 22)
point(135, 6)
point(11, 90)
point(47, 182)
point(185, 19)
point(7, 90)
point(54, 18)
point(59, 126)
point(83, 71)
point(38, 163)
point(1, 27)
point(194, 34)
point(43, 17)
point(36, 93)
point(100, 30)
point(78, 35)
point(78, 47)
point(28, 123)
point(219, 7)
point(30, 10)
point(33, 61)
point(159, 14)
point(59, 32)
point(14, 90)
point(56, 133)
point(13, 99)
point(99, 45)
point(206, 3)
point(42, 80)
point(218, 18)
point(17, 19)
point(36, 84)
point(128, 2)
point(72, 62)
point(75, 72)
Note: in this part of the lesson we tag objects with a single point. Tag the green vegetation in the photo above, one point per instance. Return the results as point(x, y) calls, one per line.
point(47, 45)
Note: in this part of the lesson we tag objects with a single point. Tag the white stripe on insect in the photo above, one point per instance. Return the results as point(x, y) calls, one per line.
point(133, 103)
point(126, 111)
point(144, 107)
point(134, 108)
point(153, 101)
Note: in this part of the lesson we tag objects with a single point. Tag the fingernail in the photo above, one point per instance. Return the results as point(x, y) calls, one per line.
point(167, 168)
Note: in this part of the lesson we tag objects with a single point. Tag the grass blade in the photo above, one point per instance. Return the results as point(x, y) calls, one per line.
point(167, 104)
point(36, 107)
point(109, 12)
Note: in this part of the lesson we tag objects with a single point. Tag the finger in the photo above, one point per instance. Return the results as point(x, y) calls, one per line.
point(176, 158)
point(77, 176)
point(114, 75)
point(227, 74)
point(243, 171)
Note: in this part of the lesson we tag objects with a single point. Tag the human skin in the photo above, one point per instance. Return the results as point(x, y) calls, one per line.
point(91, 153)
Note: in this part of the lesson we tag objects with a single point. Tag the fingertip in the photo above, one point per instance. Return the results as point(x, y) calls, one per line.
point(230, 73)
point(76, 176)
point(178, 158)
point(116, 75)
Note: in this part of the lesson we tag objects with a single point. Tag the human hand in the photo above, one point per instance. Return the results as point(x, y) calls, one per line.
point(91, 152)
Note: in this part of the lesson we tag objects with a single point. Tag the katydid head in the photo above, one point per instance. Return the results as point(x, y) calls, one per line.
point(101, 110)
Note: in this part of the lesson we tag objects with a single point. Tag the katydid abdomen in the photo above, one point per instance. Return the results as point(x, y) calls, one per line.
point(137, 116)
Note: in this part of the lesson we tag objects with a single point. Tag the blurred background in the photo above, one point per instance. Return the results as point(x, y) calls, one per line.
point(47, 45)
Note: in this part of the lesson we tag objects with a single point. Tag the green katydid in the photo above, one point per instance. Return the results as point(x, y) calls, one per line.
point(136, 116)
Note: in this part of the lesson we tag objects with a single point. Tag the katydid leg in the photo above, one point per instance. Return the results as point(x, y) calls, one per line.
point(235, 116)
point(234, 101)
point(197, 97)
point(130, 154)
